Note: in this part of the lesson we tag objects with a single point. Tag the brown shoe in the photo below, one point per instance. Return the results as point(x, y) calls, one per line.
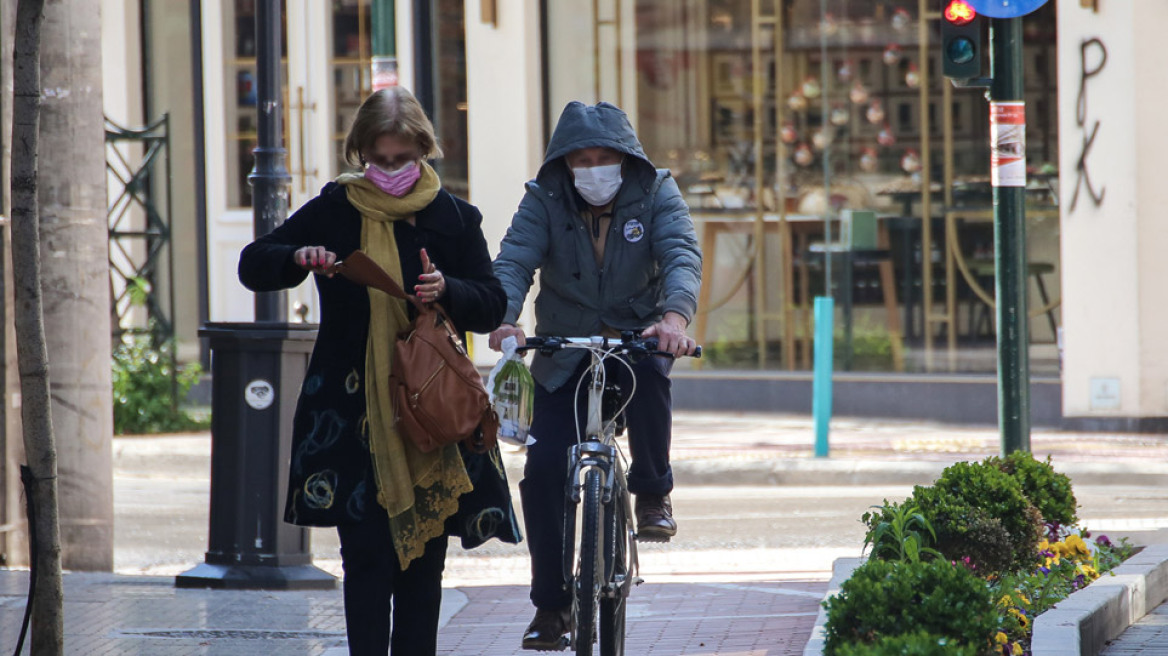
point(547, 631)
point(654, 518)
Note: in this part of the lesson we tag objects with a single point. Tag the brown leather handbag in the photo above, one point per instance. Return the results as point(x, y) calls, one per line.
point(438, 394)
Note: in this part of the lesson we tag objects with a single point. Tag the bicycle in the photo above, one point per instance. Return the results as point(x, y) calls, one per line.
point(603, 576)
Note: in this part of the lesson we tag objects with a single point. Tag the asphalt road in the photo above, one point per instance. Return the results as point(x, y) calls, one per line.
point(161, 493)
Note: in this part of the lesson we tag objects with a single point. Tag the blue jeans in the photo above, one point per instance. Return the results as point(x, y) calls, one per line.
point(650, 426)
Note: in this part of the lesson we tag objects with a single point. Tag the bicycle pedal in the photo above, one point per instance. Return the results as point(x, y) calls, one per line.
point(638, 580)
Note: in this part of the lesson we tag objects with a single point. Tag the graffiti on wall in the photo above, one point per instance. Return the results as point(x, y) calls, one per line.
point(1092, 59)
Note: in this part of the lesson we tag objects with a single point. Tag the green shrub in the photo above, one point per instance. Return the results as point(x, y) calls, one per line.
point(1047, 489)
point(918, 643)
point(899, 532)
point(144, 392)
point(889, 598)
point(979, 512)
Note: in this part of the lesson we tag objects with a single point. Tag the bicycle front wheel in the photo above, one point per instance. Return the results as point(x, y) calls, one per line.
point(619, 574)
point(591, 566)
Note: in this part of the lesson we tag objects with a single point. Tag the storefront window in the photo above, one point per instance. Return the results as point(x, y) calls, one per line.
point(782, 119)
point(241, 95)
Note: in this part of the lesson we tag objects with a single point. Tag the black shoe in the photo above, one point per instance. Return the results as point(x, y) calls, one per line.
point(547, 631)
point(654, 518)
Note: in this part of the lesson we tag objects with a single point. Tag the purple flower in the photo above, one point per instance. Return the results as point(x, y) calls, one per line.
point(1103, 541)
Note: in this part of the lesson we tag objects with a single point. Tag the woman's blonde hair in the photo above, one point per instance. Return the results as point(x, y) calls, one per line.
point(392, 111)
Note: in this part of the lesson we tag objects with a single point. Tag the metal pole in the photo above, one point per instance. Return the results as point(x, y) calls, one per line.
point(1010, 244)
point(269, 179)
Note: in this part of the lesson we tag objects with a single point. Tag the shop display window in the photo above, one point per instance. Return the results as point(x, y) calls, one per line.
point(845, 99)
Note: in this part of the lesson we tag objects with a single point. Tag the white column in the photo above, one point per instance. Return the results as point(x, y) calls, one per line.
point(504, 117)
point(1112, 147)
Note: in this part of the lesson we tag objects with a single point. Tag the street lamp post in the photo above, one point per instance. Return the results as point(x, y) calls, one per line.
point(256, 372)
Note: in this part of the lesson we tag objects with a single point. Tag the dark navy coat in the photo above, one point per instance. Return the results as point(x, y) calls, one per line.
point(331, 479)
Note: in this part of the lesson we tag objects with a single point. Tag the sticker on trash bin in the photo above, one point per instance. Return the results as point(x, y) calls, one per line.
point(259, 394)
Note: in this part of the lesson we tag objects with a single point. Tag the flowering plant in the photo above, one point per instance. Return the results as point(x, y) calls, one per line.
point(1004, 524)
point(1067, 560)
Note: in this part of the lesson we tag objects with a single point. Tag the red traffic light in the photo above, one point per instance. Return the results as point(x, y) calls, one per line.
point(958, 12)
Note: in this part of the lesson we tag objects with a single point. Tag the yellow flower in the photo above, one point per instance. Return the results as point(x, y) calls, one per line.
point(1001, 638)
point(1017, 650)
point(1023, 599)
point(1076, 545)
point(1088, 571)
point(1044, 545)
point(1022, 619)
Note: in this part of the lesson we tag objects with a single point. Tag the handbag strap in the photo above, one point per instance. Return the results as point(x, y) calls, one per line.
point(361, 269)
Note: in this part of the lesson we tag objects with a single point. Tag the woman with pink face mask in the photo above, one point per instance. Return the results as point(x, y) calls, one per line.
point(393, 506)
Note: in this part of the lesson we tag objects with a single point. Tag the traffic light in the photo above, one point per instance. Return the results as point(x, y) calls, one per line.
point(960, 40)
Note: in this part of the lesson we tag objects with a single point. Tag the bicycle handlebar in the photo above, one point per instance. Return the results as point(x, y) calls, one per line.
point(625, 344)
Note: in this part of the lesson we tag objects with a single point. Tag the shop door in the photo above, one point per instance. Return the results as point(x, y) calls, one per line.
point(326, 74)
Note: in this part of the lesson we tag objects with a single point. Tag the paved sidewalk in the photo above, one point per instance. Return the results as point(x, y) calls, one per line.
point(702, 613)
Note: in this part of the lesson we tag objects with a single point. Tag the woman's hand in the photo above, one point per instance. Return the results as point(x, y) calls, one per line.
point(495, 341)
point(431, 284)
point(670, 334)
point(316, 259)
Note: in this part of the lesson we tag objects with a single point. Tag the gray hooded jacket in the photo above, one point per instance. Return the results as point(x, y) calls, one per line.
point(652, 263)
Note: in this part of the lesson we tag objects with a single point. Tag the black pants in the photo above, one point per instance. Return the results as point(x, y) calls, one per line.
point(375, 585)
point(650, 427)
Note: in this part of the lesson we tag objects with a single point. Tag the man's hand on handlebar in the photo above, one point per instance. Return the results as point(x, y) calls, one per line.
point(670, 334)
point(495, 340)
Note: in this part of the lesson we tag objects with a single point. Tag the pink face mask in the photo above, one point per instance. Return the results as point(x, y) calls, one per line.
point(397, 182)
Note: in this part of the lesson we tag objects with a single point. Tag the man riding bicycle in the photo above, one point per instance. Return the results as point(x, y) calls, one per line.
point(616, 250)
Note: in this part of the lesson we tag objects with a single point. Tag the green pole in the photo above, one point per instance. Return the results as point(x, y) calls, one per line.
point(1008, 143)
point(384, 42)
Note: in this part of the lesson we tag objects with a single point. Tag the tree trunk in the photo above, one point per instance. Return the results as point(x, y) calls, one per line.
point(14, 540)
point(74, 243)
point(32, 352)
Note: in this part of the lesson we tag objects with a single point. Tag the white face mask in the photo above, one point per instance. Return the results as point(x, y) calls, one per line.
point(598, 184)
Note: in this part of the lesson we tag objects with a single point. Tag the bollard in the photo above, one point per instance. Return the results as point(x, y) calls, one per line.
point(821, 383)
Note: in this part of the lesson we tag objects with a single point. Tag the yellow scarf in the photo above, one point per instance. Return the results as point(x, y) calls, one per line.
point(418, 490)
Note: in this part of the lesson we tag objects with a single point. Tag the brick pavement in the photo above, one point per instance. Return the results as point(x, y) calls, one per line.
point(757, 618)
point(111, 615)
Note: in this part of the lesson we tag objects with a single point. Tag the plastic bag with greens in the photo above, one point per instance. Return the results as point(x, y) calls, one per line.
point(512, 391)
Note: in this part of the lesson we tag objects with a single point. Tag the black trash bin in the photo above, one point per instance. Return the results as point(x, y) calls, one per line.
point(256, 373)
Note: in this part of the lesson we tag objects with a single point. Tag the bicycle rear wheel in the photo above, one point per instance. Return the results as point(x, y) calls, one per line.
point(618, 573)
point(590, 570)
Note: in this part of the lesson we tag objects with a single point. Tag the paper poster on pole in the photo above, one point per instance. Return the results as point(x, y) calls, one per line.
point(384, 72)
point(1008, 143)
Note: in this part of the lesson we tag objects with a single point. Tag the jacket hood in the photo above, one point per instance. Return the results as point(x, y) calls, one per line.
point(588, 126)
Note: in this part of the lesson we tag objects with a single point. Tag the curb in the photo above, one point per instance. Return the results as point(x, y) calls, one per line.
point(1084, 622)
point(812, 472)
point(841, 569)
point(1081, 624)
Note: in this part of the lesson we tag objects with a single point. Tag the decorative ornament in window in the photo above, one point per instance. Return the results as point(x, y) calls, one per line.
point(859, 93)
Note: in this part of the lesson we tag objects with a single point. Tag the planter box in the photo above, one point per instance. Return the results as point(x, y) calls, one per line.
point(1079, 625)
